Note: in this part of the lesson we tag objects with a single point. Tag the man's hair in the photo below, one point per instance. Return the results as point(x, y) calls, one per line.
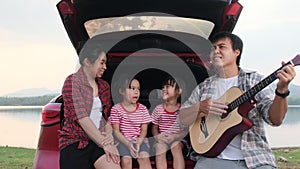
point(236, 42)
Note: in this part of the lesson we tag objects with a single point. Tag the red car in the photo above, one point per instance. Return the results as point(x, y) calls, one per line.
point(151, 39)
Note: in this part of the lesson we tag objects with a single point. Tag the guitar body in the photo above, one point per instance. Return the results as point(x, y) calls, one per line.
point(210, 134)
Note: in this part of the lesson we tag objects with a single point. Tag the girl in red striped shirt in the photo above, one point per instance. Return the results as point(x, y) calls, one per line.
point(166, 129)
point(130, 121)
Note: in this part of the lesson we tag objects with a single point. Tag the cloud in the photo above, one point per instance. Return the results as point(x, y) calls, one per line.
point(263, 15)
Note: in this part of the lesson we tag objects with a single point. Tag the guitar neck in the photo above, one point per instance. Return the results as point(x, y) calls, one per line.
point(254, 90)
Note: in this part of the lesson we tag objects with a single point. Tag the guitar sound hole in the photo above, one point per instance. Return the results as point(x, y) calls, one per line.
point(203, 127)
point(224, 115)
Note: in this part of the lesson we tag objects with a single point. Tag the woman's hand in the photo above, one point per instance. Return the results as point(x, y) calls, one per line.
point(107, 139)
point(112, 153)
point(109, 147)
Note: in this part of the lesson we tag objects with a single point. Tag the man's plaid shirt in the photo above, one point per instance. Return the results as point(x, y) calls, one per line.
point(78, 101)
point(255, 147)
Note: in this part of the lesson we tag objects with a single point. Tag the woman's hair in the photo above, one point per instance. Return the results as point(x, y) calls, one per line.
point(91, 50)
point(171, 81)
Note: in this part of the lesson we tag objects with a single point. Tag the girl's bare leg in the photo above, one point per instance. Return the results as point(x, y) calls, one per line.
point(126, 162)
point(144, 160)
point(178, 159)
point(160, 155)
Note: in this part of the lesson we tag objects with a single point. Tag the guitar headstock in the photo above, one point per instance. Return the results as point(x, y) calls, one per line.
point(296, 60)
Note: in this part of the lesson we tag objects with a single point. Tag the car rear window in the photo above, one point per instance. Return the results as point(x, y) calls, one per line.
point(150, 22)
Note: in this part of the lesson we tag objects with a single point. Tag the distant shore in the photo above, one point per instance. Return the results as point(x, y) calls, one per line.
point(293, 105)
point(20, 107)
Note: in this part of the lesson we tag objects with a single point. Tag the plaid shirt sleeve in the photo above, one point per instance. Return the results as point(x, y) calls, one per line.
point(78, 100)
point(74, 99)
point(193, 99)
point(255, 147)
point(264, 98)
point(204, 90)
point(74, 109)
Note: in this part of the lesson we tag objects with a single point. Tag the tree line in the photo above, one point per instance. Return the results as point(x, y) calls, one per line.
point(43, 100)
point(294, 100)
point(26, 101)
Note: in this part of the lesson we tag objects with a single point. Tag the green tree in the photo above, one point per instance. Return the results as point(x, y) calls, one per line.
point(26, 101)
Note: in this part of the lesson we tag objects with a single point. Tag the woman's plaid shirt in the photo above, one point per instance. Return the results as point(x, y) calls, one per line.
point(78, 101)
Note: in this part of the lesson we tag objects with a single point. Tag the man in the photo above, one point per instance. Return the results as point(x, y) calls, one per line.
point(249, 149)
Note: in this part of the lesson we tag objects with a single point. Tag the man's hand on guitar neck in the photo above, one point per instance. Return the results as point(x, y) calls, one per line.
point(279, 106)
point(285, 76)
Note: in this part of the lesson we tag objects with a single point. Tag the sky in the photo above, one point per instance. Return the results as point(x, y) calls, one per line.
point(36, 52)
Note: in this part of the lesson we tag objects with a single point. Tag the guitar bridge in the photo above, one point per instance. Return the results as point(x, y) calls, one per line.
point(203, 127)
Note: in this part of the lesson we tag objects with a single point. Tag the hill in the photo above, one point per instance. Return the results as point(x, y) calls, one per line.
point(26, 101)
point(32, 92)
point(29, 97)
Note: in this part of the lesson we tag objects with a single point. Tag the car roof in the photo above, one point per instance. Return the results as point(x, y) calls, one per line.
point(74, 13)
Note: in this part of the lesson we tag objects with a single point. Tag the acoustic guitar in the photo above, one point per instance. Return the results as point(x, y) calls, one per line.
point(210, 134)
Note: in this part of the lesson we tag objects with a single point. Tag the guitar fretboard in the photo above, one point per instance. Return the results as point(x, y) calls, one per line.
point(254, 90)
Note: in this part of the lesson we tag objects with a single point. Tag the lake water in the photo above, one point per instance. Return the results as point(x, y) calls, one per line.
point(20, 126)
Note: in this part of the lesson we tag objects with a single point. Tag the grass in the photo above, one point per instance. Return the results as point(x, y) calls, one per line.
point(22, 158)
point(16, 158)
point(291, 154)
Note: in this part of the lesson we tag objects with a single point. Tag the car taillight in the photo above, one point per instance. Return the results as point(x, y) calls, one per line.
point(50, 114)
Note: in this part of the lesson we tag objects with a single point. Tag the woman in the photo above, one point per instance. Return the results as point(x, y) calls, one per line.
point(85, 139)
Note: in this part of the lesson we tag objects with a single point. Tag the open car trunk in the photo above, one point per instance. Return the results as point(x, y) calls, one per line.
point(74, 13)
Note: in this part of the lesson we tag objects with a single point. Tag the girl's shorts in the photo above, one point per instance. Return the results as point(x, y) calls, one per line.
point(124, 151)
